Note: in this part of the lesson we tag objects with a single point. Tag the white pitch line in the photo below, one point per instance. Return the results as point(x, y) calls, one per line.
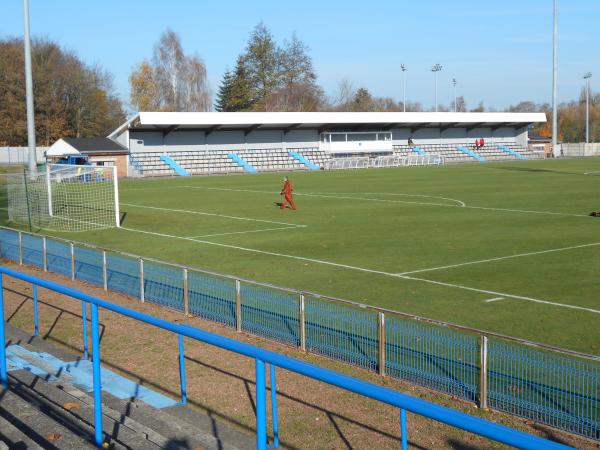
point(593, 171)
point(201, 213)
point(243, 232)
point(500, 258)
point(362, 269)
point(308, 194)
point(490, 300)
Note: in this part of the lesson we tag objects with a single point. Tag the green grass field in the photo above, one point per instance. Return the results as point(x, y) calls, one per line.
point(506, 247)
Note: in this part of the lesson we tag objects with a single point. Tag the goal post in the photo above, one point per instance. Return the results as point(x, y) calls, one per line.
point(66, 198)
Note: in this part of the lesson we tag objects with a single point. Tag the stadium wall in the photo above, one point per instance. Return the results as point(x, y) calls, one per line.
point(193, 140)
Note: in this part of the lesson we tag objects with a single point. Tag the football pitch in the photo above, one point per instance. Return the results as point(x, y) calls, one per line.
point(506, 247)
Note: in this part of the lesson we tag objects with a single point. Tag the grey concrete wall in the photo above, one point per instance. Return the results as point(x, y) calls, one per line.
point(153, 141)
point(19, 155)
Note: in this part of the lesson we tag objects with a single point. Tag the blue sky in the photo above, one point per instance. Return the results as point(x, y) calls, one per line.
point(499, 51)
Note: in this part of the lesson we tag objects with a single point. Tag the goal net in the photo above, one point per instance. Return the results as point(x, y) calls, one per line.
point(64, 198)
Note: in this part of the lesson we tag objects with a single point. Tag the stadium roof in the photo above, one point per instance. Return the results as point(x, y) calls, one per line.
point(90, 146)
point(324, 121)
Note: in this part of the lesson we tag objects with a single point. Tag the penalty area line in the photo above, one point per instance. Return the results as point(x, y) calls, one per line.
point(244, 232)
point(490, 300)
point(500, 258)
point(362, 269)
point(202, 213)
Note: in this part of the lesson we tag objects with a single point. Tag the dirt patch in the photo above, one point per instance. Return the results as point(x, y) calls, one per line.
point(312, 415)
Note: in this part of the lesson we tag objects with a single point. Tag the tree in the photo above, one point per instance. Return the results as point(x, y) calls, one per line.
point(298, 89)
point(172, 82)
point(144, 88)
point(461, 105)
point(224, 95)
point(72, 99)
point(262, 61)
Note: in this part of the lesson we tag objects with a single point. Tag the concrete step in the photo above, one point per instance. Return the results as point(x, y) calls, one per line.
point(127, 423)
point(13, 438)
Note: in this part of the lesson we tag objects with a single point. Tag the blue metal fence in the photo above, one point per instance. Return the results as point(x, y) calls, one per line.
point(262, 357)
point(551, 386)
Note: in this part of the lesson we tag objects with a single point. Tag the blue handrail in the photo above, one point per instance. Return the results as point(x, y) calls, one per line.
point(442, 414)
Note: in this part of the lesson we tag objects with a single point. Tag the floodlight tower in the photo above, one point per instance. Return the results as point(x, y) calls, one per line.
point(435, 69)
point(554, 75)
point(454, 85)
point(587, 77)
point(403, 67)
point(29, 92)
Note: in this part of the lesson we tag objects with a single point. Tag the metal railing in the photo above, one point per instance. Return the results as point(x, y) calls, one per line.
point(262, 357)
point(550, 385)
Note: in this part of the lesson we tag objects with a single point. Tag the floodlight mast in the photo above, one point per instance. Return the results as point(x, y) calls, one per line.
point(454, 85)
point(587, 77)
point(29, 92)
point(435, 69)
point(403, 67)
point(554, 75)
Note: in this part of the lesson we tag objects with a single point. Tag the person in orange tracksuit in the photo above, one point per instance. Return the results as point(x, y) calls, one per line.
point(286, 191)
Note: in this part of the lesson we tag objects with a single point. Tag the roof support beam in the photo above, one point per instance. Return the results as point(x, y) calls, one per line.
point(168, 130)
point(250, 129)
point(324, 127)
point(475, 125)
point(291, 127)
point(447, 126)
point(212, 129)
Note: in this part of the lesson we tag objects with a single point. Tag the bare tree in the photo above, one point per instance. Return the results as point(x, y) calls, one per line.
point(173, 82)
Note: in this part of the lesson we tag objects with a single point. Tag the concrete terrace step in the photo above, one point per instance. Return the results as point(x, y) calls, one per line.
point(35, 403)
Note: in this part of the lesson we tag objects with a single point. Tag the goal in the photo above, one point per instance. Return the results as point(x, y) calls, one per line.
point(65, 198)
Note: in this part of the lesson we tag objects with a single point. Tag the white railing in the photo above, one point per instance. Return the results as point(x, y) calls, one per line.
point(347, 163)
point(433, 159)
point(387, 161)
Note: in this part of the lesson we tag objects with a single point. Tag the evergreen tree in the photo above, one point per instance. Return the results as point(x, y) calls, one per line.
point(224, 94)
point(241, 92)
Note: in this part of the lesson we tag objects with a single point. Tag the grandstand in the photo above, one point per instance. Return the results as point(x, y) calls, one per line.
point(163, 144)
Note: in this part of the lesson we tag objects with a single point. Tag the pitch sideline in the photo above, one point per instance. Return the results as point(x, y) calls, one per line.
point(362, 269)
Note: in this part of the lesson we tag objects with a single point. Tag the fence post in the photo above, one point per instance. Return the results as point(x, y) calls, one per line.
point(3, 368)
point(84, 329)
point(381, 341)
point(142, 280)
point(238, 307)
point(98, 437)
point(261, 406)
point(104, 271)
point(186, 295)
point(302, 321)
point(20, 248)
point(72, 261)
point(44, 254)
point(36, 323)
point(483, 366)
point(403, 430)
point(182, 381)
point(274, 407)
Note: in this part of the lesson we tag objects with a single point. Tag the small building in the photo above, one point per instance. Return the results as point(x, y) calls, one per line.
point(101, 151)
point(540, 144)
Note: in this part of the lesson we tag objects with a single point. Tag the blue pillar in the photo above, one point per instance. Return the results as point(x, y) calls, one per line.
point(97, 381)
point(274, 407)
point(84, 332)
point(36, 323)
point(261, 406)
point(403, 429)
point(182, 372)
point(3, 371)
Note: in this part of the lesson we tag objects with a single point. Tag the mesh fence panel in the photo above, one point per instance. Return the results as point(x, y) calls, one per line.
point(123, 274)
point(163, 285)
point(270, 313)
point(212, 298)
point(33, 250)
point(340, 332)
point(434, 357)
point(58, 256)
point(554, 389)
point(88, 265)
point(9, 247)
